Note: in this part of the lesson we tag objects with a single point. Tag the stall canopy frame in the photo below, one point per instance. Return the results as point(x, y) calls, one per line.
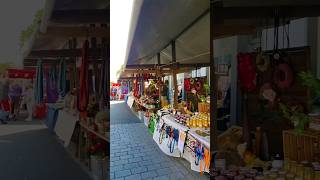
point(226, 17)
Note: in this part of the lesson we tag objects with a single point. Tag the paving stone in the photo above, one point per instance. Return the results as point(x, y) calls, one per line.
point(130, 165)
point(154, 167)
point(176, 176)
point(149, 175)
point(116, 168)
point(133, 177)
point(146, 163)
point(139, 170)
point(126, 157)
point(111, 175)
point(118, 179)
point(122, 173)
point(137, 159)
point(166, 177)
point(164, 171)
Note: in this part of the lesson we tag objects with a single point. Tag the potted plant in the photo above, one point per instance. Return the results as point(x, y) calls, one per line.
point(296, 116)
point(310, 81)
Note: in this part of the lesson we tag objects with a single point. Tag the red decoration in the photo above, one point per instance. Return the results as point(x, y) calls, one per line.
point(283, 76)
point(247, 71)
point(21, 73)
point(187, 85)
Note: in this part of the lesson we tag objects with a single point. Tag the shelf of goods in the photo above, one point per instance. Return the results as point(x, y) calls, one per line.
point(176, 139)
point(148, 107)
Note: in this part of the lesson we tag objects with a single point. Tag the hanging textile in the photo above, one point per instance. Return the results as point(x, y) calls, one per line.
point(83, 96)
point(39, 83)
point(52, 91)
point(62, 78)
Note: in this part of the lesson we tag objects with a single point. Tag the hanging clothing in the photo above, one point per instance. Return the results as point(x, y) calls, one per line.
point(62, 78)
point(51, 86)
point(39, 83)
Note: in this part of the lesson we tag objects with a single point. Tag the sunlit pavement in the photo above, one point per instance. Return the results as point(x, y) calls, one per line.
point(133, 153)
point(28, 151)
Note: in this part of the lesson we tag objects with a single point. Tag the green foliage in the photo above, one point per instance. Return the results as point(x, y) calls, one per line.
point(27, 33)
point(206, 88)
point(202, 98)
point(308, 80)
point(296, 116)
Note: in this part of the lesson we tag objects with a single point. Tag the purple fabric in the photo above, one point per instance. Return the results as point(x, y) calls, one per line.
point(15, 91)
point(52, 90)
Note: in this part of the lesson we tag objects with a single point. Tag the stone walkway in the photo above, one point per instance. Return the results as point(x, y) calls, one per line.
point(134, 155)
point(28, 151)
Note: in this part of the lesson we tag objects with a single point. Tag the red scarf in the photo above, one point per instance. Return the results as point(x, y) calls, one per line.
point(247, 71)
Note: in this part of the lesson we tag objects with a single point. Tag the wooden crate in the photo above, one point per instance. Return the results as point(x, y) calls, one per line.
point(301, 147)
point(203, 107)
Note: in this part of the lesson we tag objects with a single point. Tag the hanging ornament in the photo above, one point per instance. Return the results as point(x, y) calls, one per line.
point(262, 62)
point(283, 76)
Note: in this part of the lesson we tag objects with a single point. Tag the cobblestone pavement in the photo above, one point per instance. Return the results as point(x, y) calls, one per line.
point(134, 155)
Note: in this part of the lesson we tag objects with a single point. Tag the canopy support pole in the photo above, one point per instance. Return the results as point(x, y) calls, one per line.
point(174, 75)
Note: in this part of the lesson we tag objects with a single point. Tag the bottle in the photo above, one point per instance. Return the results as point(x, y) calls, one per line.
point(277, 162)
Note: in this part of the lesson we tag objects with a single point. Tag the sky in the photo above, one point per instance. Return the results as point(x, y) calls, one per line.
point(15, 16)
point(120, 18)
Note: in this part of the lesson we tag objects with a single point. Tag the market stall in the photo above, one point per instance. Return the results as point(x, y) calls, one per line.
point(261, 83)
point(71, 42)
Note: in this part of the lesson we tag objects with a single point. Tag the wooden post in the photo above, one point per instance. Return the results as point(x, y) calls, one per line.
point(174, 75)
point(213, 87)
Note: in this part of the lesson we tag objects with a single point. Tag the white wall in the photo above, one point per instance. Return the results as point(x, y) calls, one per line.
point(298, 31)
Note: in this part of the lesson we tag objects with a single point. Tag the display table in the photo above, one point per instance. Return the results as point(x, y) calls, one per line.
point(170, 120)
point(187, 153)
point(204, 140)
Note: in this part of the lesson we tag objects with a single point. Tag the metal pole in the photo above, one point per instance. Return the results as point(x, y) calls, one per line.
point(174, 75)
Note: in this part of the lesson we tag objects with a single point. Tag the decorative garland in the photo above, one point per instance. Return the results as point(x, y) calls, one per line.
point(198, 86)
point(262, 62)
point(283, 76)
point(191, 81)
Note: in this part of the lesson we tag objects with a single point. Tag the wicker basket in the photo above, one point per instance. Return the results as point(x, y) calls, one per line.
point(301, 147)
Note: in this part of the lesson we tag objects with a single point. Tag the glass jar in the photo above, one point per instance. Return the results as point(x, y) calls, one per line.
point(282, 173)
point(316, 175)
point(273, 176)
point(290, 176)
point(308, 173)
point(287, 165)
point(299, 170)
point(293, 167)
